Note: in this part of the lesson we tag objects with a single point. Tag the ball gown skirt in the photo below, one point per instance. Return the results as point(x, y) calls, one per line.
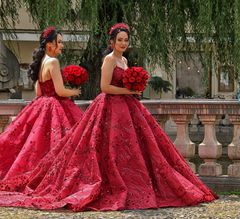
point(35, 130)
point(116, 158)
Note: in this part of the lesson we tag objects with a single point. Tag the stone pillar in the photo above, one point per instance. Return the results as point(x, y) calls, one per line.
point(182, 142)
point(210, 149)
point(194, 123)
point(3, 122)
point(11, 118)
point(161, 119)
point(234, 148)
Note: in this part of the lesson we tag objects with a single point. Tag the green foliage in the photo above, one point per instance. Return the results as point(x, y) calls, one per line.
point(234, 192)
point(49, 12)
point(159, 85)
point(160, 28)
point(9, 13)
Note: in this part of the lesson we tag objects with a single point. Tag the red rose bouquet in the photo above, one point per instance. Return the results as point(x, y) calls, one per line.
point(74, 76)
point(135, 78)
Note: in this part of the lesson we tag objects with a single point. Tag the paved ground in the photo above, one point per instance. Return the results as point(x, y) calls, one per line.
point(226, 207)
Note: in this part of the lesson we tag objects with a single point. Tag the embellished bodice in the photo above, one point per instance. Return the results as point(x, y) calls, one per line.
point(47, 88)
point(117, 76)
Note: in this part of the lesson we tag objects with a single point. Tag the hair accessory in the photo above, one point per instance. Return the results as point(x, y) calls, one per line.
point(120, 26)
point(48, 31)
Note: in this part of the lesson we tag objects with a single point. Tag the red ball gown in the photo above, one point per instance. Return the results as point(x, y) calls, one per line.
point(116, 158)
point(35, 130)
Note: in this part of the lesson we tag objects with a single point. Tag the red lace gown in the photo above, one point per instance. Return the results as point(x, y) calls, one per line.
point(116, 158)
point(35, 130)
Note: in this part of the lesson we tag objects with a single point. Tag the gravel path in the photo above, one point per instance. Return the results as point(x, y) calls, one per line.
point(226, 207)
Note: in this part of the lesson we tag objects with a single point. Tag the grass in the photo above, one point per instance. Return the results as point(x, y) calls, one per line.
point(236, 192)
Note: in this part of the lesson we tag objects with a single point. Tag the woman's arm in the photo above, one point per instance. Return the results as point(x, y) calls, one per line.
point(38, 89)
point(108, 66)
point(55, 72)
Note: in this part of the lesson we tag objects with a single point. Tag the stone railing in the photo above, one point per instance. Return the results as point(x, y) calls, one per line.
point(209, 112)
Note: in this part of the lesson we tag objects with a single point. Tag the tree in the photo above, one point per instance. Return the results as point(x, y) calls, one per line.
point(159, 85)
point(9, 13)
point(160, 28)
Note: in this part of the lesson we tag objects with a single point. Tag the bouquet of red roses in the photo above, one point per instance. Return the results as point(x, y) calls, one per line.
point(74, 76)
point(135, 78)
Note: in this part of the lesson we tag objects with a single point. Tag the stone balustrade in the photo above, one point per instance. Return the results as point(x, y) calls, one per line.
point(182, 112)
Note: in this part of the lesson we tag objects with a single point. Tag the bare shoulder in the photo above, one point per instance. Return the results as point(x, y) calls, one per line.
point(109, 60)
point(52, 61)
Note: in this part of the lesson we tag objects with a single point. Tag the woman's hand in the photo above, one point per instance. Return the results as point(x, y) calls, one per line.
point(136, 92)
point(76, 92)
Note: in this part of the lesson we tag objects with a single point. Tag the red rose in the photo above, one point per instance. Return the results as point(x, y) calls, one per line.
point(141, 74)
point(141, 87)
point(74, 75)
point(135, 78)
point(131, 79)
point(128, 73)
point(138, 79)
point(134, 74)
point(146, 76)
point(138, 69)
point(128, 86)
point(70, 78)
point(136, 87)
point(78, 81)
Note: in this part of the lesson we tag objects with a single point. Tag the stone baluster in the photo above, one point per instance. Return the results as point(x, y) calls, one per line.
point(11, 118)
point(210, 149)
point(3, 122)
point(161, 119)
point(234, 148)
point(182, 142)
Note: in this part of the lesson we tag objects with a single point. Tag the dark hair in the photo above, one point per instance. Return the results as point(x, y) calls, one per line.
point(48, 35)
point(113, 37)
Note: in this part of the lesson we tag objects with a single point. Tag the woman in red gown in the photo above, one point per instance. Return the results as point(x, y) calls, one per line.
point(46, 119)
point(117, 158)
